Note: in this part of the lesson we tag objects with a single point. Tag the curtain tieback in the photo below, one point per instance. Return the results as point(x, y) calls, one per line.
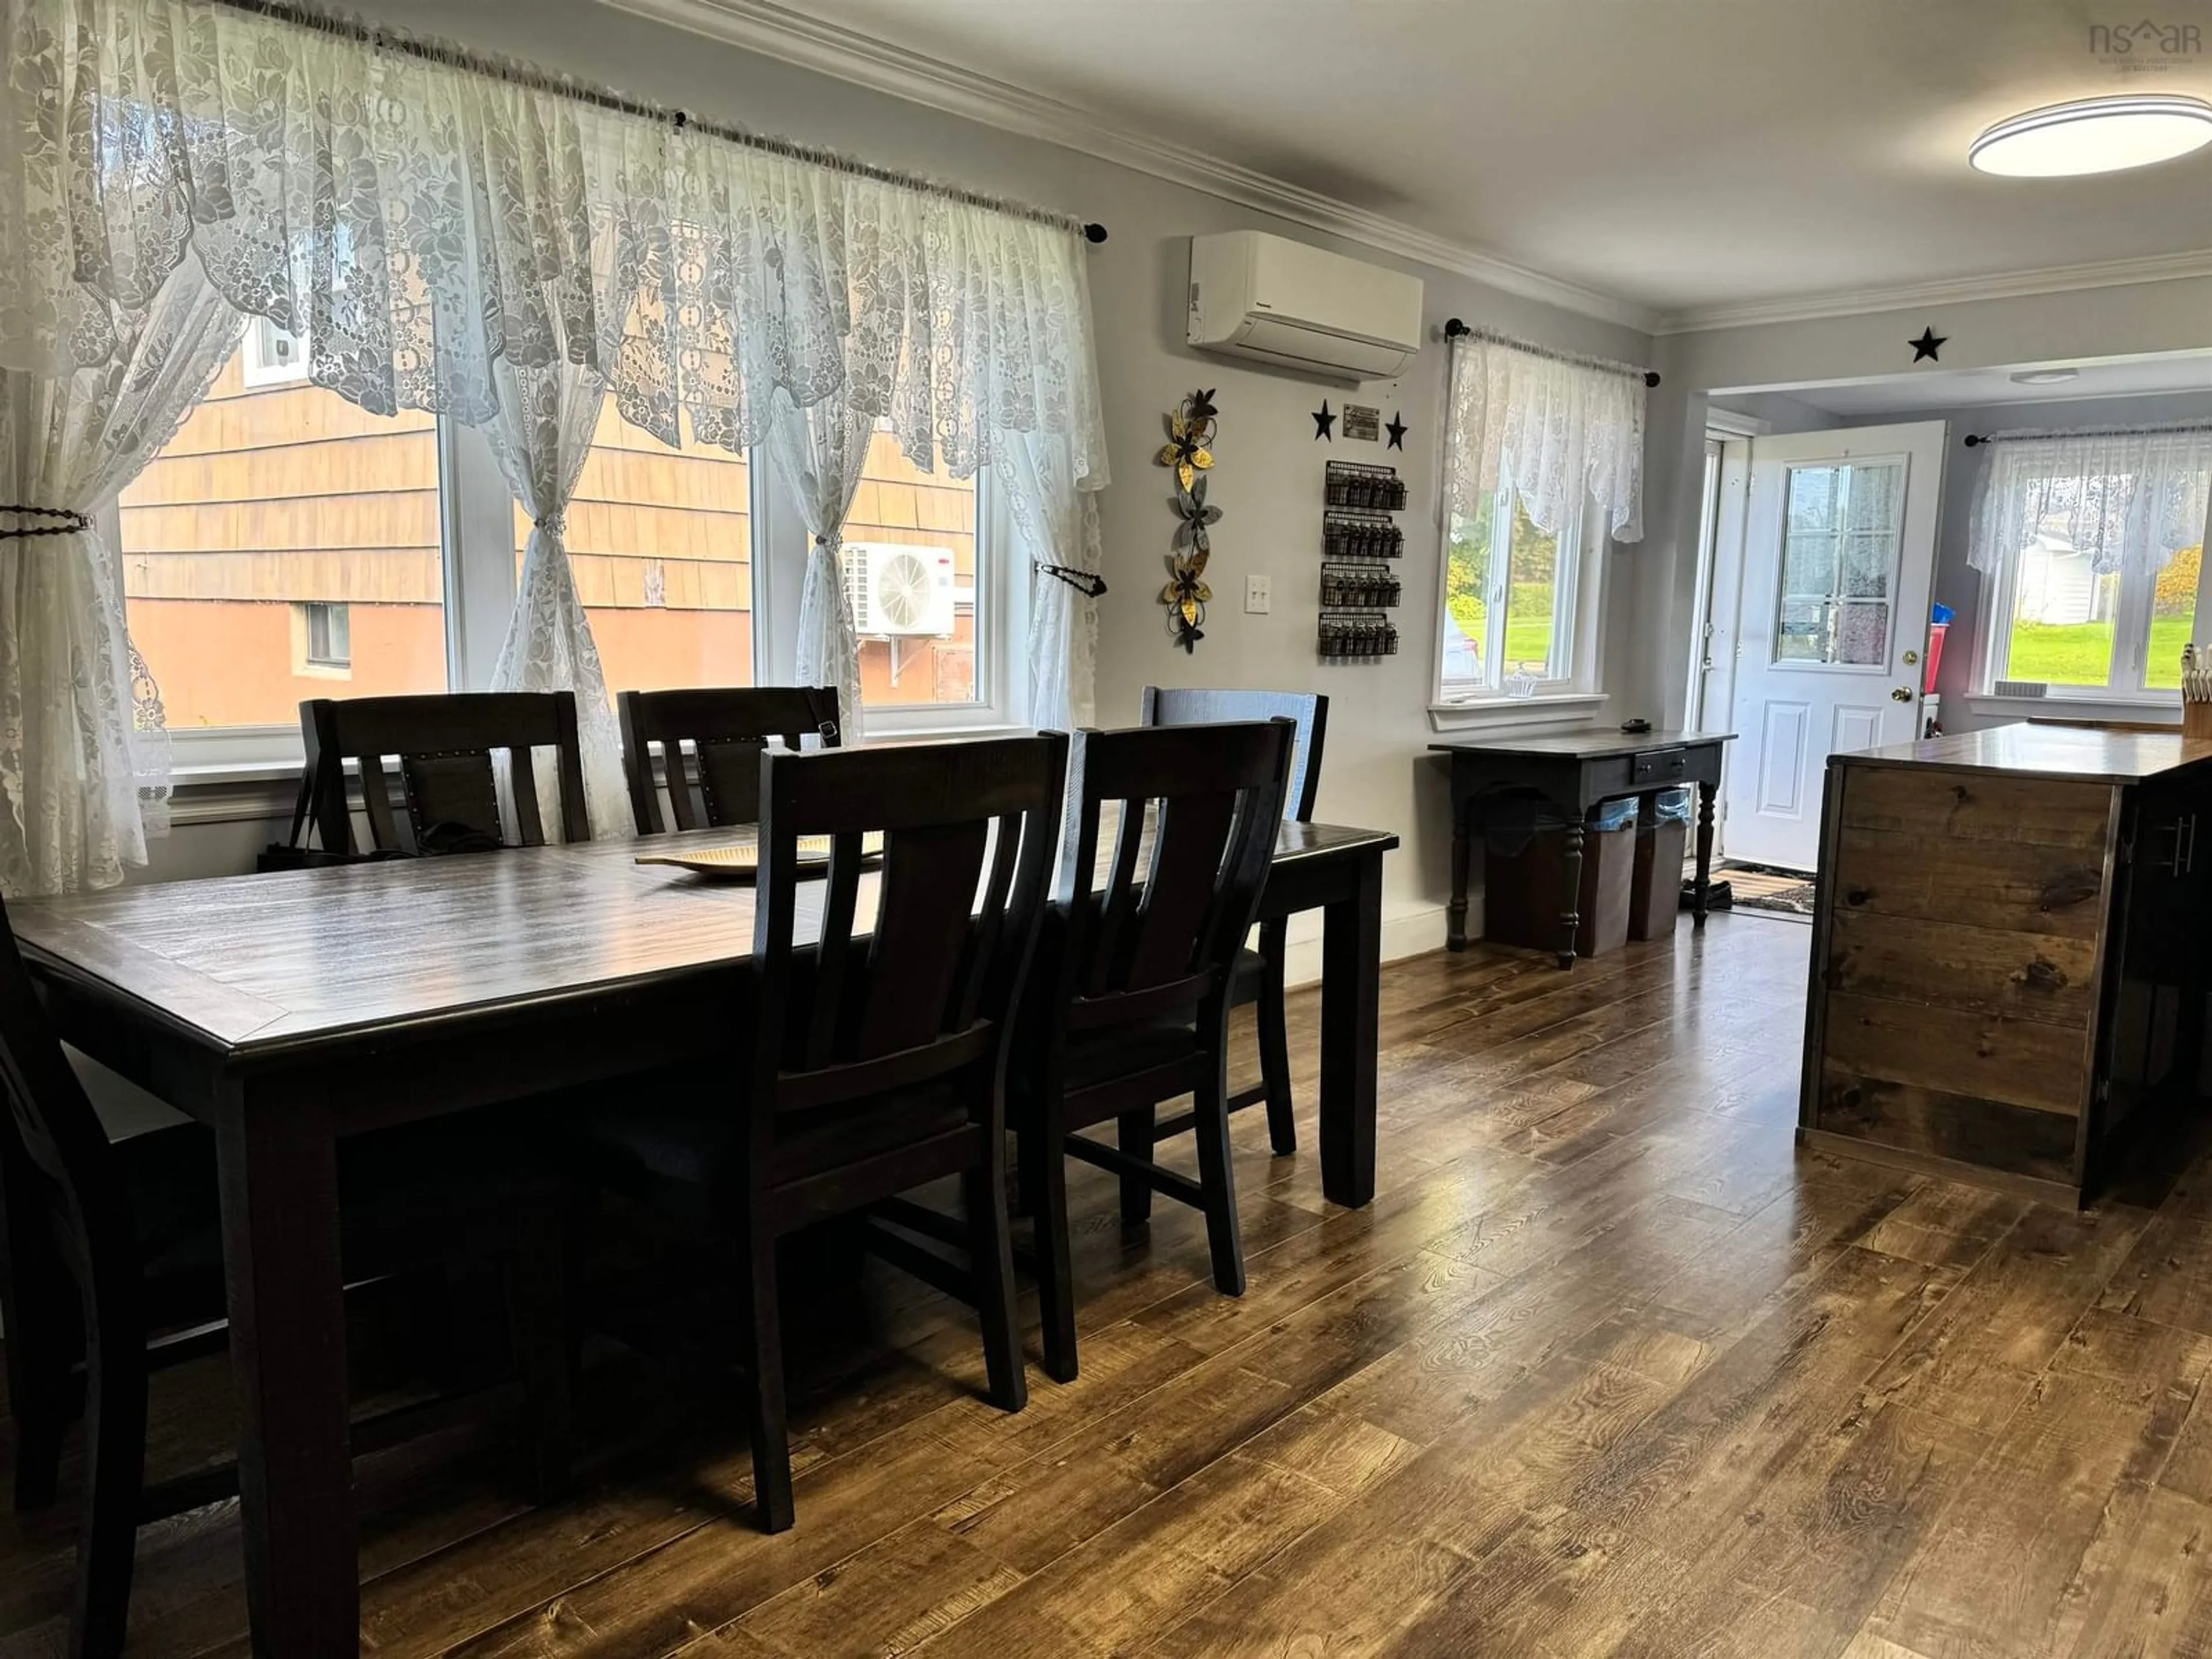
point(1089, 583)
point(553, 524)
point(69, 521)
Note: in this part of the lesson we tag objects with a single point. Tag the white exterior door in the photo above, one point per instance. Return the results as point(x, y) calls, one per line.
point(1840, 549)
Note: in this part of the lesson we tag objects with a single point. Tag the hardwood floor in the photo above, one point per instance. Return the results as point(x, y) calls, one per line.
point(1609, 1366)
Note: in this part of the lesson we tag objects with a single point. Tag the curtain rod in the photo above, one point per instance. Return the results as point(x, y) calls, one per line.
point(520, 73)
point(1455, 329)
point(1974, 440)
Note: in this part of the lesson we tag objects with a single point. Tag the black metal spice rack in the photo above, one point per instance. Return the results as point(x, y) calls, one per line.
point(1359, 582)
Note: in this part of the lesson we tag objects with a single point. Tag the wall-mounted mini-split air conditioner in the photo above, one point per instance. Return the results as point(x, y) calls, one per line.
point(1257, 295)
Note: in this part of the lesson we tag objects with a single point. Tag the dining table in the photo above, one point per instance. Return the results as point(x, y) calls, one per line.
point(288, 1010)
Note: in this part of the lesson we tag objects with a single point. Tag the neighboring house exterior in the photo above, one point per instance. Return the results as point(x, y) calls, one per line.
point(2057, 586)
point(286, 545)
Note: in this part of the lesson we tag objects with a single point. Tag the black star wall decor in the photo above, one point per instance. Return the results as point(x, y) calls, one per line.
point(1324, 422)
point(1397, 431)
point(1924, 348)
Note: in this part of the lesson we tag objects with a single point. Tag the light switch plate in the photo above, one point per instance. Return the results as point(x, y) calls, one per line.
point(1259, 596)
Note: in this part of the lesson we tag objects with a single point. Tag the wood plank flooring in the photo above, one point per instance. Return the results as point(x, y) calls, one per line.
point(1608, 1367)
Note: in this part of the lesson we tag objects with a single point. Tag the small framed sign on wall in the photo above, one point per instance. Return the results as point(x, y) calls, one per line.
point(1362, 422)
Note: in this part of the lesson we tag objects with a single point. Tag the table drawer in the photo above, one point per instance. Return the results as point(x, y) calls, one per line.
point(1660, 766)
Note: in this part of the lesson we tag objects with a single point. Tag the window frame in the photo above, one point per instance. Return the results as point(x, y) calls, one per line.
point(1578, 584)
point(478, 567)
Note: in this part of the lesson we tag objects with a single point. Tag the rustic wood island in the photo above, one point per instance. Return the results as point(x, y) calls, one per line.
point(2008, 983)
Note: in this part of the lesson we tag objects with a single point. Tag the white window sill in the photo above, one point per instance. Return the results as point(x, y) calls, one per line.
point(1515, 714)
point(2164, 707)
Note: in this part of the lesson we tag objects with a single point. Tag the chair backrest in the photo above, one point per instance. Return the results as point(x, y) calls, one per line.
point(444, 746)
point(1307, 710)
point(56, 1164)
point(728, 730)
point(967, 835)
point(1160, 932)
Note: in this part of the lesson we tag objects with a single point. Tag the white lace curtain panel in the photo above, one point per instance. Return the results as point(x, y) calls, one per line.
point(449, 240)
point(2127, 498)
point(1557, 428)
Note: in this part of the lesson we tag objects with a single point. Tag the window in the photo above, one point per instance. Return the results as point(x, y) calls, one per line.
point(660, 544)
point(273, 506)
point(1842, 529)
point(1517, 611)
point(328, 631)
point(2080, 631)
point(285, 539)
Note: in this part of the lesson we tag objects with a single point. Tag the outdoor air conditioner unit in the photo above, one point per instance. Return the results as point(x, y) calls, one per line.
point(1257, 295)
point(896, 591)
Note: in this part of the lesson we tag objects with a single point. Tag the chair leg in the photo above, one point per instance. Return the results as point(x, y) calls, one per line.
point(1275, 1041)
point(1137, 1141)
point(536, 1316)
point(1217, 1176)
point(39, 1326)
point(771, 1427)
point(114, 1477)
point(991, 1251)
point(1056, 1273)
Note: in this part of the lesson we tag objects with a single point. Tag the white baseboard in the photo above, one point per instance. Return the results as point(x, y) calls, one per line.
point(1407, 934)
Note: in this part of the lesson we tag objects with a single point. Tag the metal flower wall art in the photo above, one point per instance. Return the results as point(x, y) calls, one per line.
point(1189, 451)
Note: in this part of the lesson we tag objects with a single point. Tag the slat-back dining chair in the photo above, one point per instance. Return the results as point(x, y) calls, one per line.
point(444, 744)
point(1260, 975)
point(727, 728)
point(1137, 1012)
point(877, 1036)
point(111, 1267)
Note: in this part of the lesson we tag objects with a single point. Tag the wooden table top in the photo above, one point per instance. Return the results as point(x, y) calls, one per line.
point(1600, 744)
point(2084, 753)
point(251, 964)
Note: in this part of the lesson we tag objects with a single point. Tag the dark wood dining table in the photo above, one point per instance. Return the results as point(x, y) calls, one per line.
point(288, 1010)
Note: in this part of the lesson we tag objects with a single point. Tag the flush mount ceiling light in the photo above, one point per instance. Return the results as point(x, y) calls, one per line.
point(2047, 377)
point(2094, 135)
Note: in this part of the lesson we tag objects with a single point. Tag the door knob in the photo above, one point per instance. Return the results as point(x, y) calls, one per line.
point(1902, 694)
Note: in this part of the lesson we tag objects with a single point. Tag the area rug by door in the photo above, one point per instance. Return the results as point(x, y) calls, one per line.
point(1762, 887)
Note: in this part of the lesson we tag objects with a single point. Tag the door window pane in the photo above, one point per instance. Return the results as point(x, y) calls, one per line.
point(660, 544)
point(284, 544)
point(1842, 526)
point(911, 566)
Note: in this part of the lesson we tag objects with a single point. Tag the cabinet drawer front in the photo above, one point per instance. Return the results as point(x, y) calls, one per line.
point(1661, 766)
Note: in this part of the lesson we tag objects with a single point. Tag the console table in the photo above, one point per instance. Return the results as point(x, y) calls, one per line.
point(1574, 771)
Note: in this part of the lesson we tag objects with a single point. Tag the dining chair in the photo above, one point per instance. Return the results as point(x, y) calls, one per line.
point(111, 1267)
point(875, 1040)
point(1259, 974)
point(727, 728)
point(1136, 1012)
point(444, 744)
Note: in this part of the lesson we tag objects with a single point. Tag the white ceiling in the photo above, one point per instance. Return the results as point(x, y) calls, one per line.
point(1966, 388)
point(1677, 155)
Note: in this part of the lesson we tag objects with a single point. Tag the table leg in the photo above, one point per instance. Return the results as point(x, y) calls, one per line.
point(1456, 911)
point(1351, 1030)
point(1571, 881)
point(1704, 878)
point(280, 1231)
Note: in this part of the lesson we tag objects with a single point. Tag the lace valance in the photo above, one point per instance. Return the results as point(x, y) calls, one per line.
point(2129, 498)
point(416, 219)
point(1556, 427)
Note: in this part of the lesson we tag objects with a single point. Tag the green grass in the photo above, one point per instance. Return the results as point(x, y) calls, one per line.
point(2080, 653)
point(1528, 638)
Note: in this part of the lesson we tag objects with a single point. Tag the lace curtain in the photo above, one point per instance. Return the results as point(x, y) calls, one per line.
point(2129, 499)
point(1056, 520)
point(822, 451)
point(1555, 428)
point(444, 237)
point(81, 784)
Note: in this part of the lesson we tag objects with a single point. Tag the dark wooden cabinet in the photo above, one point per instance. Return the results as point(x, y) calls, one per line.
point(2008, 978)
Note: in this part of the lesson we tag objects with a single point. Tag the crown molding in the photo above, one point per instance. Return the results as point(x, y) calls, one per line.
point(1961, 290)
point(827, 48)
